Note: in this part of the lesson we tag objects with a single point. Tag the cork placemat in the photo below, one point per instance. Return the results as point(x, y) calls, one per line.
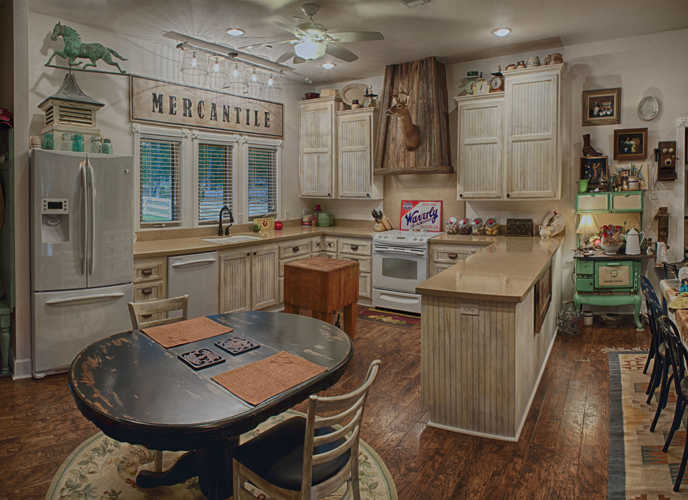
point(184, 332)
point(261, 380)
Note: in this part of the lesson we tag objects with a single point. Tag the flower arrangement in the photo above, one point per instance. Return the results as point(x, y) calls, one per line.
point(611, 235)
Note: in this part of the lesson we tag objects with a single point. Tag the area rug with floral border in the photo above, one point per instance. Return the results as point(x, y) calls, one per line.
point(389, 318)
point(638, 468)
point(103, 469)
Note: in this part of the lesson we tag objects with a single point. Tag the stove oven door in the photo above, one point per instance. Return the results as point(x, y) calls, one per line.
point(399, 268)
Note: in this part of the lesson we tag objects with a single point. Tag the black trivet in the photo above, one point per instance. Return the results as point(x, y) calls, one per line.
point(201, 358)
point(237, 345)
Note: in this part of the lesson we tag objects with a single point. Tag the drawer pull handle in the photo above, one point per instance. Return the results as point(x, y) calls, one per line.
point(453, 255)
point(147, 272)
point(147, 291)
point(295, 249)
point(354, 247)
point(147, 315)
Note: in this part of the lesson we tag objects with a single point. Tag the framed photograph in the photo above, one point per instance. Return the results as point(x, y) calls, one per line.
point(630, 144)
point(594, 169)
point(601, 107)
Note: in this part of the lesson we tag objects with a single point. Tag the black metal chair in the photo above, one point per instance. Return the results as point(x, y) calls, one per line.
point(679, 359)
point(649, 293)
point(660, 369)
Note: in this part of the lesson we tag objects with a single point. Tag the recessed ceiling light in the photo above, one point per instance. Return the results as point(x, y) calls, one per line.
point(501, 31)
point(235, 32)
point(328, 65)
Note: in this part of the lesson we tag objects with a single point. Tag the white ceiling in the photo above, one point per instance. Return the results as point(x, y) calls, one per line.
point(451, 30)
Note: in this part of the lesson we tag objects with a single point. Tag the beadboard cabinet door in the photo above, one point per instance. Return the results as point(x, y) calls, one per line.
point(317, 147)
point(354, 144)
point(481, 136)
point(235, 280)
point(264, 279)
point(533, 156)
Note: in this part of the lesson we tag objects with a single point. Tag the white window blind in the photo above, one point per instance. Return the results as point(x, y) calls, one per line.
point(262, 182)
point(160, 183)
point(214, 180)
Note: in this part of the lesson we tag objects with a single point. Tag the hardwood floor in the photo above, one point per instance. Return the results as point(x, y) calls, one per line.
point(562, 452)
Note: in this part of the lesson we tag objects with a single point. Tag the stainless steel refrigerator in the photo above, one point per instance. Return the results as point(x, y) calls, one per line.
point(82, 222)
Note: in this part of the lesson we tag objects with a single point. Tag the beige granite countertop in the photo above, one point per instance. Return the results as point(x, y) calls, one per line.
point(181, 246)
point(503, 271)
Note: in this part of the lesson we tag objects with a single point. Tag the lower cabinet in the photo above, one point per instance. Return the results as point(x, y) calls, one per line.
point(444, 256)
point(359, 250)
point(150, 281)
point(248, 279)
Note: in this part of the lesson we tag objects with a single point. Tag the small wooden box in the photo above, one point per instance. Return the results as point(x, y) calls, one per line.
point(519, 227)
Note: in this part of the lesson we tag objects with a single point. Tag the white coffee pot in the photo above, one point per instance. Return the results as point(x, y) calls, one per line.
point(633, 241)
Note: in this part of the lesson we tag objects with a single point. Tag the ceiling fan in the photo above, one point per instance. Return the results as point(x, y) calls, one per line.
point(312, 40)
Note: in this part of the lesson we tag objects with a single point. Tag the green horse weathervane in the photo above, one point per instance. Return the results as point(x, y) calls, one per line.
point(75, 49)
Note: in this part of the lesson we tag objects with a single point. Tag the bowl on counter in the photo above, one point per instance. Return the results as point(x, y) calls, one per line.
point(610, 249)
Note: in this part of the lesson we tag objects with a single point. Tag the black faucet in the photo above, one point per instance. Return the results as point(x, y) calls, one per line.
point(231, 221)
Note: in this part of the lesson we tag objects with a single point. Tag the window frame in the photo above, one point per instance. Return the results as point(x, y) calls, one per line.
point(276, 145)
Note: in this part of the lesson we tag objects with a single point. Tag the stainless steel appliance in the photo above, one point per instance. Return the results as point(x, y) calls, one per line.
point(400, 262)
point(82, 226)
point(196, 275)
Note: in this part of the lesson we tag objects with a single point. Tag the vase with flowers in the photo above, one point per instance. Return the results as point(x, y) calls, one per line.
point(612, 238)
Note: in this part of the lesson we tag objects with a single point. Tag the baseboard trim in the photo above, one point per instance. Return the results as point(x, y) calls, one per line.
point(22, 367)
point(472, 433)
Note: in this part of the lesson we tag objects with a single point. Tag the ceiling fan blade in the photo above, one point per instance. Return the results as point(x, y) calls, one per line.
point(357, 36)
point(340, 53)
point(266, 44)
point(288, 54)
point(287, 27)
point(298, 60)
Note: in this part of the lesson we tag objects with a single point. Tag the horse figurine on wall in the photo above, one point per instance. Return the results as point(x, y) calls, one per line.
point(400, 101)
point(75, 49)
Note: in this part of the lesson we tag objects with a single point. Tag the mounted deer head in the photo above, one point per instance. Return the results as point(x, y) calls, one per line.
point(399, 108)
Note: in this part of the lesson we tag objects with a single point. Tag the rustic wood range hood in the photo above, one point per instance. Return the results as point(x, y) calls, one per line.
point(418, 90)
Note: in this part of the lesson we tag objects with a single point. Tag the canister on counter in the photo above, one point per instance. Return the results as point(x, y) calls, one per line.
point(451, 226)
point(464, 226)
point(492, 227)
point(307, 220)
point(477, 227)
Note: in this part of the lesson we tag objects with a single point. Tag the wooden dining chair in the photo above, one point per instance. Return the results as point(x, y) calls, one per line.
point(307, 458)
point(664, 363)
point(142, 313)
point(649, 293)
point(654, 312)
point(143, 316)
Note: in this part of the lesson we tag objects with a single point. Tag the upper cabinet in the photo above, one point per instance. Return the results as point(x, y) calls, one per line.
point(509, 142)
point(336, 151)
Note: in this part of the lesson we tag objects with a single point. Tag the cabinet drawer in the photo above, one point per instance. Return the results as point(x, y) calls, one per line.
point(150, 270)
point(329, 255)
point(149, 291)
point(627, 202)
point(592, 202)
point(317, 245)
point(364, 285)
point(287, 261)
point(330, 245)
point(438, 268)
point(584, 284)
point(365, 264)
point(294, 248)
point(452, 253)
point(356, 247)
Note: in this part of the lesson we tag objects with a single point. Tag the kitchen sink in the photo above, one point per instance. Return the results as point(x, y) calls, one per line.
point(232, 239)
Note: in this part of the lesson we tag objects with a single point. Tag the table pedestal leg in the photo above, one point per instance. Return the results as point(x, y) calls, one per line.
point(350, 313)
point(184, 468)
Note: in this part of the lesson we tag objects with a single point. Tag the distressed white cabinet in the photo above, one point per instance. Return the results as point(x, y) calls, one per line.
point(317, 153)
point(248, 278)
point(150, 281)
point(336, 151)
point(509, 143)
point(481, 142)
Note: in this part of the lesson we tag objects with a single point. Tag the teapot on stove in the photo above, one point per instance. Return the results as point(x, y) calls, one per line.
point(633, 241)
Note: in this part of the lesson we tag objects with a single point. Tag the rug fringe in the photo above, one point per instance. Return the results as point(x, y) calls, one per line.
point(621, 349)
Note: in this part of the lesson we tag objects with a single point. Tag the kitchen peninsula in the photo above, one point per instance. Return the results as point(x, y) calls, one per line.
point(489, 323)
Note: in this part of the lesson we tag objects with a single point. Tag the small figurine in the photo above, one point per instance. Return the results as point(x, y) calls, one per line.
point(588, 150)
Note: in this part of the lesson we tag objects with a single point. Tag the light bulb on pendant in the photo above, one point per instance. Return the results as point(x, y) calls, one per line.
point(235, 73)
point(254, 80)
point(271, 82)
point(217, 73)
point(216, 66)
point(236, 83)
point(194, 61)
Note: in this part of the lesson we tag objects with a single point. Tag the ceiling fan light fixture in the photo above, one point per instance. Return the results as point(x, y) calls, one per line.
point(328, 65)
point(235, 31)
point(310, 50)
point(501, 32)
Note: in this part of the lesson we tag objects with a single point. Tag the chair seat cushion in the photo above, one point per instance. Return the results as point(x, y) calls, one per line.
point(276, 455)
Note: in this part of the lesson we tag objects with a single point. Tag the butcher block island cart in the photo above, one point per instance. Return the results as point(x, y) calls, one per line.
point(488, 326)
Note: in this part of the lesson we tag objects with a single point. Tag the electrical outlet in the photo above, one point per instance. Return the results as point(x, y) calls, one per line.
point(654, 195)
point(305, 211)
point(470, 309)
point(287, 215)
point(240, 218)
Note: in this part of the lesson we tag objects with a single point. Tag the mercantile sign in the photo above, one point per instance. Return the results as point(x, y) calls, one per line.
point(161, 102)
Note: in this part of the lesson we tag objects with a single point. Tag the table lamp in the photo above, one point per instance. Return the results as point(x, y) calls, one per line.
point(585, 227)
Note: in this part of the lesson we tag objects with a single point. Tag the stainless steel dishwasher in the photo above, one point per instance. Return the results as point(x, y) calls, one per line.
point(196, 275)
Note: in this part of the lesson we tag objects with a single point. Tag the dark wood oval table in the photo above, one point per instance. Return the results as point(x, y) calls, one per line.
point(138, 392)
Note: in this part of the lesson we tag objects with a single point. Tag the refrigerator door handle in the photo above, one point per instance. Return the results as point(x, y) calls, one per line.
point(84, 228)
point(85, 297)
point(92, 210)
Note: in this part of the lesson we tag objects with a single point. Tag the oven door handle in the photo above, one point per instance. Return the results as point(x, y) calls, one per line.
point(400, 251)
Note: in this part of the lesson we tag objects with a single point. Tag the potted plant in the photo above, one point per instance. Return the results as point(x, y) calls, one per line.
point(612, 238)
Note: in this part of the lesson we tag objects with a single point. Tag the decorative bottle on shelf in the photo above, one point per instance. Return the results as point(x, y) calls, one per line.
point(67, 142)
point(48, 142)
point(96, 144)
point(107, 147)
point(78, 144)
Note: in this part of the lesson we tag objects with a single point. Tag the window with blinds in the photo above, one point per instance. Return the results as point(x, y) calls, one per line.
point(160, 185)
point(214, 180)
point(262, 182)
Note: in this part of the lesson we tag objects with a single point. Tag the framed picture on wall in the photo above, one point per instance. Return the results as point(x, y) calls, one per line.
point(594, 169)
point(630, 144)
point(602, 107)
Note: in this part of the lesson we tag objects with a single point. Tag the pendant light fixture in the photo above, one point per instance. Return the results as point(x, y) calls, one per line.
point(194, 68)
point(255, 80)
point(309, 50)
point(236, 83)
point(217, 72)
point(273, 87)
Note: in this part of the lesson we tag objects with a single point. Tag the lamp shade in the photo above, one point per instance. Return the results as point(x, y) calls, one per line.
point(309, 50)
point(587, 225)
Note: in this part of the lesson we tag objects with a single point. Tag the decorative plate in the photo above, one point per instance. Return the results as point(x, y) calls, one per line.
point(648, 108)
point(353, 91)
